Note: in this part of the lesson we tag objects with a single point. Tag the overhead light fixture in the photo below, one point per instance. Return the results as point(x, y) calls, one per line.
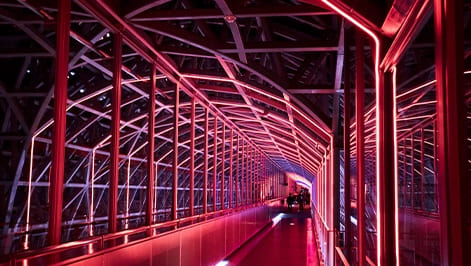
point(230, 18)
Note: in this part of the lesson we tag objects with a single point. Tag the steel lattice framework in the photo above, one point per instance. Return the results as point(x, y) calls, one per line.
point(234, 68)
point(124, 115)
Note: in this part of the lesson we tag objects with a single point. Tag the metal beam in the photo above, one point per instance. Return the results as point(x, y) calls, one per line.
point(223, 162)
point(232, 75)
point(192, 157)
point(196, 41)
point(360, 148)
point(231, 155)
point(233, 25)
point(346, 151)
point(246, 12)
point(115, 131)
point(31, 32)
point(134, 11)
point(215, 160)
point(320, 46)
point(386, 137)
point(176, 107)
point(205, 161)
point(150, 151)
point(324, 91)
point(410, 28)
point(238, 171)
point(453, 177)
point(59, 129)
point(15, 108)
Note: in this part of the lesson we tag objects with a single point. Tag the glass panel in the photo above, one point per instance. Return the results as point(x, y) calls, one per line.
point(419, 224)
point(430, 184)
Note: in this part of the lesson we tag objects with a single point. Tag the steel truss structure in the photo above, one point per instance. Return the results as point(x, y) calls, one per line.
point(123, 115)
point(219, 131)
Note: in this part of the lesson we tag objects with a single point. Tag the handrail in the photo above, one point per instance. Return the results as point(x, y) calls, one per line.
point(53, 249)
point(31, 254)
point(132, 216)
point(342, 256)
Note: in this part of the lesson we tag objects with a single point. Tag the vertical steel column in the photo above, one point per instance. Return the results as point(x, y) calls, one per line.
point(231, 154)
point(253, 180)
point(254, 175)
point(346, 143)
point(422, 170)
point(278, 179)
point(386, 160)
point(405, 172)
point(243, 169)
point(259, 186)
point(453, 177)
point(223, 162)
point(271, 186)
point(268, 181)
point(321, 188)
point(150, 152)
point(264, 174)
point(192, 157)
point(58, 138)
point(274, 184)
point(156, 183)
point(258, 178)
point(115, 127)
point(215, 159)
point(278, 184)
point(205, 161)
point(412, 196)
point(249, 172)
point(360, 112)
point(275, 180)
point(237, 173)
point(435, 162)
point(247, 194)
point(175, 153)
point(250, 175)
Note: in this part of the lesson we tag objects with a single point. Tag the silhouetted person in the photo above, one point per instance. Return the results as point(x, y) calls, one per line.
point(301, 201)
point(290, 201)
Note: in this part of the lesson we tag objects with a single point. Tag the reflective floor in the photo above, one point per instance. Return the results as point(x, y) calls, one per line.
point(290, 242)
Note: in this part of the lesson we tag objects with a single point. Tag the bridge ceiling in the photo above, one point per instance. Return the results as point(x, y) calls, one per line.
point(270, 68)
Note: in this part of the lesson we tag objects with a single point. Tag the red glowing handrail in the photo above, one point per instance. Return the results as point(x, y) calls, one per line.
point(365, 28)
point(179, 223)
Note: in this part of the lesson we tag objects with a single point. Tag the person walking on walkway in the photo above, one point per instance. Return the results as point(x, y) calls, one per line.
point(301, 201)
point(290, 201)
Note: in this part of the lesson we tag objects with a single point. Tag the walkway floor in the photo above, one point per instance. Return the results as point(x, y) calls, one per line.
point(290, 242)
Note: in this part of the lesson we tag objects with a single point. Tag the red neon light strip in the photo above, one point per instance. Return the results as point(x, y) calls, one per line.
point(396, 182)
point(376, 66)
